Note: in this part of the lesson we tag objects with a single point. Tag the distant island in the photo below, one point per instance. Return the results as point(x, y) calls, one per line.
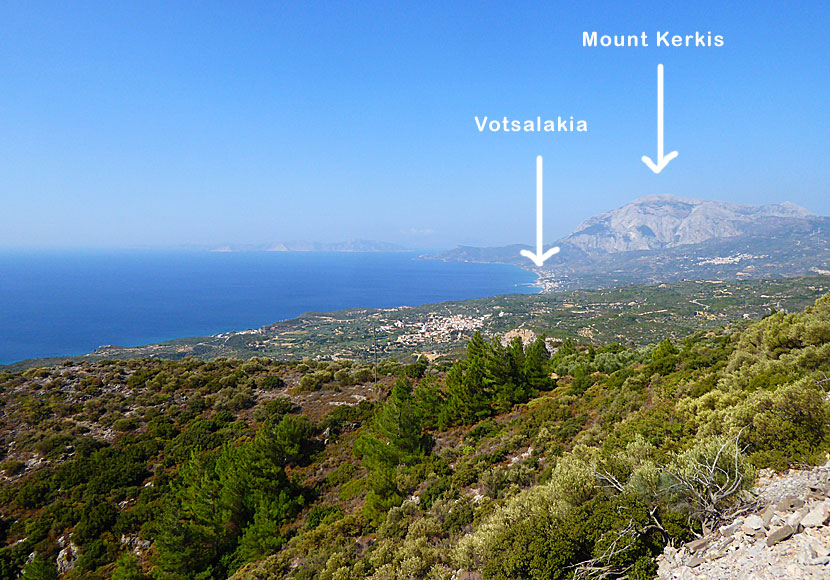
point(303, 246)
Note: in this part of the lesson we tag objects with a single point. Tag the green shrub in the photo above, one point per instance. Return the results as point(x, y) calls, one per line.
point(363, 375)
point(486, 428)
point(344, 378)
point(13, 467)
point(272, 383)
point(417, 369)
point(316, 380)
point(125, 424)
point(318, 514)
point(351, 489)
point(342, 474)
point(127, 568)
point(39, 569)
point(275, 409)
point(791, 425)
point(99, 517)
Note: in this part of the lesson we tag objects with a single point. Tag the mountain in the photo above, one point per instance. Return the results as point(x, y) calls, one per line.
point(666, 238)
point(665, 221)
point(302, 246)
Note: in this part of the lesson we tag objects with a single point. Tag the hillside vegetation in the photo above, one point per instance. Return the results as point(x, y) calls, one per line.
point(510, 462)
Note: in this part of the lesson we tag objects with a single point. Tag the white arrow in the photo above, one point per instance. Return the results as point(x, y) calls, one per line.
point(662, 161)
point(540, 256)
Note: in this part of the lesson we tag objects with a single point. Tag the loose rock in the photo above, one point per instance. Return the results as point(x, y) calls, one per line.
point(780, 534)
point(816, 517)
point(787, 537)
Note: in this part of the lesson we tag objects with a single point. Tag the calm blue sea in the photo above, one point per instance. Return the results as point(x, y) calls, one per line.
point(59, 304)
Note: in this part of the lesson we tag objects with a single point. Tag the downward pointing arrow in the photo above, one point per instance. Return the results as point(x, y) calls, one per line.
point(662, 161)
point(540, 256)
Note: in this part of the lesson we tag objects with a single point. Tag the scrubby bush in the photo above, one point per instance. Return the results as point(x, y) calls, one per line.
point(708, 477)
point(275, 409)
point(39, 568)
point(344, 378)
point(125, 424)
point(417, 369)
point(318, 514)
point(13, 467)
point(315, 380)
point(363, 375)
point(272, 383)
point(234, 399)
point(790, 425)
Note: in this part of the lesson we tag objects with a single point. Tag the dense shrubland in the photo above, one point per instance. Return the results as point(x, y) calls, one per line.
point(515, 461)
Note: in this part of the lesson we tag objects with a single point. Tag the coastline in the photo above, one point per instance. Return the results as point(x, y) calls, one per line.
point(72, 302)
point(642, 313)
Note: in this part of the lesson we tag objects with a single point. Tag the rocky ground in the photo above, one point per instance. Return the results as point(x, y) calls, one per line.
point(786, 536)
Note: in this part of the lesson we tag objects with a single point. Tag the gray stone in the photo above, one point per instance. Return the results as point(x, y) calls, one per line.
point(753, 522)
point(814, 555)
point(767, 515)
point(698, 545)
point(779, 534)
point(696, 561)
point(820, 550)
point(789, 503)
point(810, 557)
point(794, 519)
point(816, 517)
point(728, 530)
point(67, 558)
point(819, 490)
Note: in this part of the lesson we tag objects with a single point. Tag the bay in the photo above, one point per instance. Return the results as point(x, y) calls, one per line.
point(66, 303)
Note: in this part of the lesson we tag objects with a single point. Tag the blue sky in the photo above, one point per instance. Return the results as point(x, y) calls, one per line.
point(168, 124)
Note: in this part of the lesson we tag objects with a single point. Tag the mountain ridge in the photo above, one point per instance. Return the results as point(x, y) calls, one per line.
point(665, 221)
point(666, 238)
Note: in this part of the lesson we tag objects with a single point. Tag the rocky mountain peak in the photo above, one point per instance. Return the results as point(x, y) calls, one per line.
point(665, 221)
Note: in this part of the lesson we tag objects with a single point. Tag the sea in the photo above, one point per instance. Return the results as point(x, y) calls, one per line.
point(55, 304)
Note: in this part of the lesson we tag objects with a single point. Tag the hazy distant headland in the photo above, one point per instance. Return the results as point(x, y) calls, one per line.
point(304, 246)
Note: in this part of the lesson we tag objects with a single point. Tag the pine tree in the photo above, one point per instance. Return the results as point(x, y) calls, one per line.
point(394, 438)
point(127, 568)
point(395, 433)
point(428, 400)
point(40, 569)
point(536, 369)
point(227, 507)
point(467, 399)
point(469, 390)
